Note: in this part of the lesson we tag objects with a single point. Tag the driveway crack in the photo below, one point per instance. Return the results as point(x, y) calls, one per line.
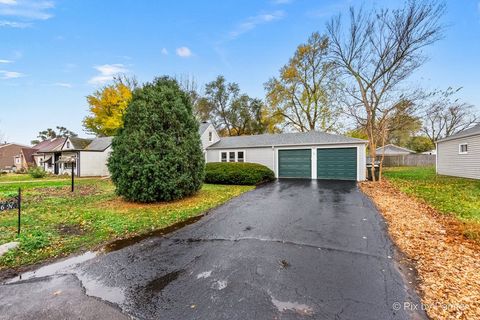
point(287, 242)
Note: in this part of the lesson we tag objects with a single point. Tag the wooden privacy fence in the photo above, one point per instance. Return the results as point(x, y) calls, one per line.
point(409, 160)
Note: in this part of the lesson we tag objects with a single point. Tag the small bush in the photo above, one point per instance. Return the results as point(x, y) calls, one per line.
point(37, 172)
point(237, 173)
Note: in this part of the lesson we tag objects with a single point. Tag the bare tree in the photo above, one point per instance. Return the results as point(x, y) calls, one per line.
point(376, 52)
point(446, 115)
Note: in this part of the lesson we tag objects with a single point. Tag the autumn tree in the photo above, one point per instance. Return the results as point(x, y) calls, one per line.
point(445, 114)
point(420, 144)
point(233, 113)
point(305, 92)
point(375, 52)
point(60, 132)
point(108, 105)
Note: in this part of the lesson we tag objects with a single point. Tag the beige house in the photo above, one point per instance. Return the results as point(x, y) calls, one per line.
point(459, 154)
point(8, 151)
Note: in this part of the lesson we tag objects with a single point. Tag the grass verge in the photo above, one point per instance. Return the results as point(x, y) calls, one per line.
point(56, 222)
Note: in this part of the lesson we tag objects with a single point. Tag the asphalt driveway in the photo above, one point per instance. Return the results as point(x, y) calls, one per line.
point(293, 249)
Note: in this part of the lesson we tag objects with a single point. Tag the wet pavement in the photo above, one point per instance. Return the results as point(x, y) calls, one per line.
point(293, 249)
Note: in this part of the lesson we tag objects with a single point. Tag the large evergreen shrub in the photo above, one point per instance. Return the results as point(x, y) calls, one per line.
point(237, 173)
point(157, 155)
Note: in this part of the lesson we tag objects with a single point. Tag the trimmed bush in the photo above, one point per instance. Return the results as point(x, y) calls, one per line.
point(237, 173)
point(37, 172)
point(157, 155)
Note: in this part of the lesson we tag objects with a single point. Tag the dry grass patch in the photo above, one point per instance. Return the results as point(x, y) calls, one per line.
point(448, 264)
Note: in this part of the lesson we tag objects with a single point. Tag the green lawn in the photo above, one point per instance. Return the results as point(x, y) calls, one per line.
point(450, 195)
point(56, 222)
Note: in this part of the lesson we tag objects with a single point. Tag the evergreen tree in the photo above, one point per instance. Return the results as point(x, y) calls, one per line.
point(157, 155)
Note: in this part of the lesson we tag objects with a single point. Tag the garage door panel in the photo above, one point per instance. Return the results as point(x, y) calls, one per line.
point(337, 163)
point(295, 163)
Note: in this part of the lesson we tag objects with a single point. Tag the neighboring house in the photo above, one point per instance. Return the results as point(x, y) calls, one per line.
point(393, 150)
point(459, 154)
point(24, 160)
point(208, 135)
point(8, 151)
point(88, 157)
point(308, 155)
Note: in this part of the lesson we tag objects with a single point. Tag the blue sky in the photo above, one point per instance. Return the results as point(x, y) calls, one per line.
point(53, 53)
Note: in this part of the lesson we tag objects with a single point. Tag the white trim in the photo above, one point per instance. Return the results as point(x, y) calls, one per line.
point(304, 145)
point(460, 148)
point(436, 157)
point(227, 151)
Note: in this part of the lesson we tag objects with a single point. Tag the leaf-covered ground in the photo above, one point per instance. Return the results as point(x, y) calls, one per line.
point(450, 195)
point(447, 262)
point(56, 222)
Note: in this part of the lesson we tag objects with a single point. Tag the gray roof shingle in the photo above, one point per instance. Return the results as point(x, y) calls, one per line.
point(203, 126)
point(465, 133)
point(99, 144)
point(393, 149)
point(79, 143)
point(268, 140)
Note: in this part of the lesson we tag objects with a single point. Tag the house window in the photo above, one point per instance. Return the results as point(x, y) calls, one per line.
point(463, 148)
point(240, 156)
point(68, 144)
point(17, 160)
point(232, 156)
point(210, 136)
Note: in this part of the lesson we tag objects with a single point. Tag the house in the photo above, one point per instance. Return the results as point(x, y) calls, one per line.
point(24, 160)
point(208, 135)
point(88, 157)
point(8, 151)
point(307, 155)
point(393, 150)
point(459, 154)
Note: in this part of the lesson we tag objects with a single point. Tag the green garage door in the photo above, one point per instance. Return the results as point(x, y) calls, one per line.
point(295, 163)
point(337, 164)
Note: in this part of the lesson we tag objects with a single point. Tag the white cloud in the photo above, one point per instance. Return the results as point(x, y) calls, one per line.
point(5, 61)
point(10, 74)
point(252, 22)
point(184, 52)
point(107, 72)
point(164, 51)
point(21, 13)
point(63, 84)
point(14, 24)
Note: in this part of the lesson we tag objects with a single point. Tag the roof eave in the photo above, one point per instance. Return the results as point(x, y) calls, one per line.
point(213, 147)
point(458, 137)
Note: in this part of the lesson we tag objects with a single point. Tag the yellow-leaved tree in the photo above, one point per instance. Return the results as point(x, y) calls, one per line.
point(108, 105)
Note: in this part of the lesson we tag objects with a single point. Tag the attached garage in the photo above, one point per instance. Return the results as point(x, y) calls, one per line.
point(306, 155)
point(337, 163)
point(295, 163)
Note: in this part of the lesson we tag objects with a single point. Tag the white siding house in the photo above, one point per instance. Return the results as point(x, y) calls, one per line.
point(208, 135)
point(459, 154)
point(88, 157)
point(268, 150)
